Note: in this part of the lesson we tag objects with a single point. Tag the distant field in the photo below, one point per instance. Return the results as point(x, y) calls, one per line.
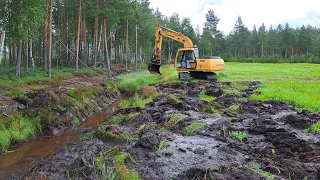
point(297, 84)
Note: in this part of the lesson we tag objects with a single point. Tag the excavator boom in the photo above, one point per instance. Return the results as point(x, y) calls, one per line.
point(154, 67)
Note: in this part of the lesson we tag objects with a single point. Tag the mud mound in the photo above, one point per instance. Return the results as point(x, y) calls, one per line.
point(236, 173)
point(74, 161)
point(268, 107)
point(195, 173)
point(300, 121)
point(226, 100)
point(149, 139)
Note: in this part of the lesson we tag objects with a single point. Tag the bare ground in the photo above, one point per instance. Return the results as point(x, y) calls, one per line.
point(275, 147)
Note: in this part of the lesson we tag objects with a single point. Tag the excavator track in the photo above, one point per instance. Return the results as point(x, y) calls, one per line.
point(184, 76)
point(210, 76)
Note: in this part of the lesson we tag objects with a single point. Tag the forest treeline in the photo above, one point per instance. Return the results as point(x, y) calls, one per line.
point(47, 33)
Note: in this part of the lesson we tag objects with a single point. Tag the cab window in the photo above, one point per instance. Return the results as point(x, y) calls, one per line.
point(196, 53)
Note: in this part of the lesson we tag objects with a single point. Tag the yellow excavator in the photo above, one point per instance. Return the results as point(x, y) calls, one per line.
point(187, 60)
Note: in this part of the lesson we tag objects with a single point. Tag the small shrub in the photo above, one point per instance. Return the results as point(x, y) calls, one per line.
point(192, 129)
point(204, 97)
point(240, 136)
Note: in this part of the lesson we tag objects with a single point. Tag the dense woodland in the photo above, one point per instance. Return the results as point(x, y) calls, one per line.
point(59, 33)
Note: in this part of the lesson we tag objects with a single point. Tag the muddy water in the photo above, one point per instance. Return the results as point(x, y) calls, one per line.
point(25, 156)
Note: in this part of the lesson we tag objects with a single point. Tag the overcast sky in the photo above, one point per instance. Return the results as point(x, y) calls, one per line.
point(253, 12)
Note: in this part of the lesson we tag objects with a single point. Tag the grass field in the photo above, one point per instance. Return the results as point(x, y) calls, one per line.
point(134, 81)
point(8, 79)
point(297, 84)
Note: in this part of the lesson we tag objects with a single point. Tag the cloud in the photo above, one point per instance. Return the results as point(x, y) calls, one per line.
point(253, 12)
point(204, 3)
point(312, 18)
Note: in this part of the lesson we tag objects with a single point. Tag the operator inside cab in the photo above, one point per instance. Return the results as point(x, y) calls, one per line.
point(185, 57)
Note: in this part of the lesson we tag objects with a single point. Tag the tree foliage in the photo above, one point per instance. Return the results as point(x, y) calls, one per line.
point(27, 21)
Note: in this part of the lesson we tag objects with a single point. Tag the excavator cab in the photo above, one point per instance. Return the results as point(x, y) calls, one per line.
point(186, 58)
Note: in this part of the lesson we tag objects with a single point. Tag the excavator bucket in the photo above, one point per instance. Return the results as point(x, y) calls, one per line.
point(154, 68)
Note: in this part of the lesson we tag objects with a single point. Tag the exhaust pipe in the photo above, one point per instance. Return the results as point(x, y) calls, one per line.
point(154, 69)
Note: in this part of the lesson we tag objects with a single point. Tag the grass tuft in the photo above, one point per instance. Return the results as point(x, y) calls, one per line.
point(136, 101)
point(315, 128)
point(111, 165)
point(86, 136)
point(204, 97)
point(193, 128)
point(83, 94)
point(238, 135)
point(104, 133)
point(174, 97)
point(149, 91)
point(120, 118)
point(172, 121)
point(15, 93)
point(162, 145)
point(17, 129)
point(256, 167)
point(234, 108)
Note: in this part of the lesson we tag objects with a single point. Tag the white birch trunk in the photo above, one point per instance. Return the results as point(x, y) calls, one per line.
point(2, 37)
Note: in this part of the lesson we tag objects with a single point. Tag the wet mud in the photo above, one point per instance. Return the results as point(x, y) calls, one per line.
point(178, 136)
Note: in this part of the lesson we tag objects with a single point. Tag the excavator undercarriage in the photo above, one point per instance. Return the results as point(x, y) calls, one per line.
point(209, 76)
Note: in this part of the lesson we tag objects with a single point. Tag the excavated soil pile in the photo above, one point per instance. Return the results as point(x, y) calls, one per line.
point(178, 136)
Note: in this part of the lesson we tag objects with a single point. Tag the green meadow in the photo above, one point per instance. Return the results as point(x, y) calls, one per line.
point(297, 84)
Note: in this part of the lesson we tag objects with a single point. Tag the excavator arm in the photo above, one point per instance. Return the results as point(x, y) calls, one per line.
point(154, 67)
